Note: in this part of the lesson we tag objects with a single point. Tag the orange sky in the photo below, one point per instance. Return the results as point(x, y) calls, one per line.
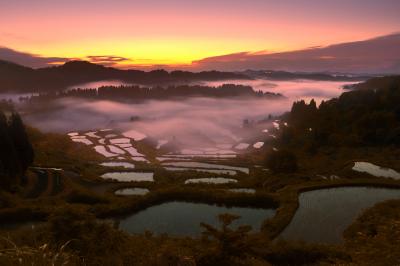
point(178, 32)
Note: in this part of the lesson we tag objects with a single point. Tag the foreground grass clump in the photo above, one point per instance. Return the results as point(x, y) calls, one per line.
point(375, 235)
point(79, 239)
point(293, 253)
point(98, 242)
point(11, 254)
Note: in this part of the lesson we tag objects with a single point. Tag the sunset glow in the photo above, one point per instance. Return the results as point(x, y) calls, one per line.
point(179, 32)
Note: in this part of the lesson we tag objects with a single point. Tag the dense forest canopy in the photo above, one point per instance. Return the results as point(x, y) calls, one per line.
point(369, 115)
point(16, 152)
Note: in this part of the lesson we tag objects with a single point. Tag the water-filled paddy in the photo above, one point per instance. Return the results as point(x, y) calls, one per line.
point(211, 180)
point(116, 150)
point(217, 156)
point(183, 218)
point(324, 214)
point(92, 135)
point(130, 176)
point(82, 140)
point(134, 134)
point(243, 190)
point(120, 141)
point(139, 159)
point(212, 171)
point(375, 170)
point(102, 150)
point(242, 146)
point(119, 164)
point(207, 166)
point(162, 159)
point(133, 151)
point(258, 145)
point(132, 191)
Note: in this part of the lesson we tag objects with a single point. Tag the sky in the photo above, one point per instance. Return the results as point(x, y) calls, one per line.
point(177, 32)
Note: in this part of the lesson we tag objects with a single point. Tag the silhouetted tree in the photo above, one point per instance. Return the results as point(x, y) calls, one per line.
point(21, 142)
point(369, 115)
point(227, 244)
point(16, 152)
point(9, 164)
point(281, 162)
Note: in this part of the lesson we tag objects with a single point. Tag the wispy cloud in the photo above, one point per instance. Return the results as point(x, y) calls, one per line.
point(377, 55)
point(107, 60)
point(28, 59)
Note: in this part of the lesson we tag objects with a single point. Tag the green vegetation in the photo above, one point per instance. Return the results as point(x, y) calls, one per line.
point(11, 254)
point(363, 117)
point(55, 150)
point(376, 235)
point(281, 162)
point(77, 203)
point(226, 245)
point(78, 236)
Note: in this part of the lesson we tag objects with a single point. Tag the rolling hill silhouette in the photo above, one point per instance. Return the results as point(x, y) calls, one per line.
point(15, 77)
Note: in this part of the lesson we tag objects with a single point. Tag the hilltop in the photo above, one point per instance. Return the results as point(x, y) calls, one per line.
point(15, 77)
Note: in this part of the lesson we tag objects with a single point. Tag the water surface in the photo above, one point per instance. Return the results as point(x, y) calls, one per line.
point(207, 166)
point(243, 190)
point(132, 191)
point(324, 214)
point(375, 170)
point(212, 171)
point(119, 164)
point(184, 218)
point(211, 180)
point(130, 176)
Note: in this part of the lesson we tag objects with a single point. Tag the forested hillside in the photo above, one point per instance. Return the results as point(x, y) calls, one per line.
point(369, 115)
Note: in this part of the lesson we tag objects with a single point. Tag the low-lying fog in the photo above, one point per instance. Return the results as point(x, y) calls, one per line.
point(294, 90)
point(192, 121)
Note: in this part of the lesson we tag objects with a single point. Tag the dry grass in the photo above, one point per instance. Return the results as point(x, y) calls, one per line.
point(36, 256)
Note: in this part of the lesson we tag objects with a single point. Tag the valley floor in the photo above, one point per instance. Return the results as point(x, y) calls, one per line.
point(64, 201)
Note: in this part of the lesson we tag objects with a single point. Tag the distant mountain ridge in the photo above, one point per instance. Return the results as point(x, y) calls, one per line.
point(379, 55)
point(285, 75)
point(14, 77)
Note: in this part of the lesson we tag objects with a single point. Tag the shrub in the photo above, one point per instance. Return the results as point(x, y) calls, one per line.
point(281, 162)
point(97, 241)
point(226, 245)
point(85, 197)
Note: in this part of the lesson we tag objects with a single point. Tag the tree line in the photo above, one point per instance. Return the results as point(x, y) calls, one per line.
point(135, 92)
